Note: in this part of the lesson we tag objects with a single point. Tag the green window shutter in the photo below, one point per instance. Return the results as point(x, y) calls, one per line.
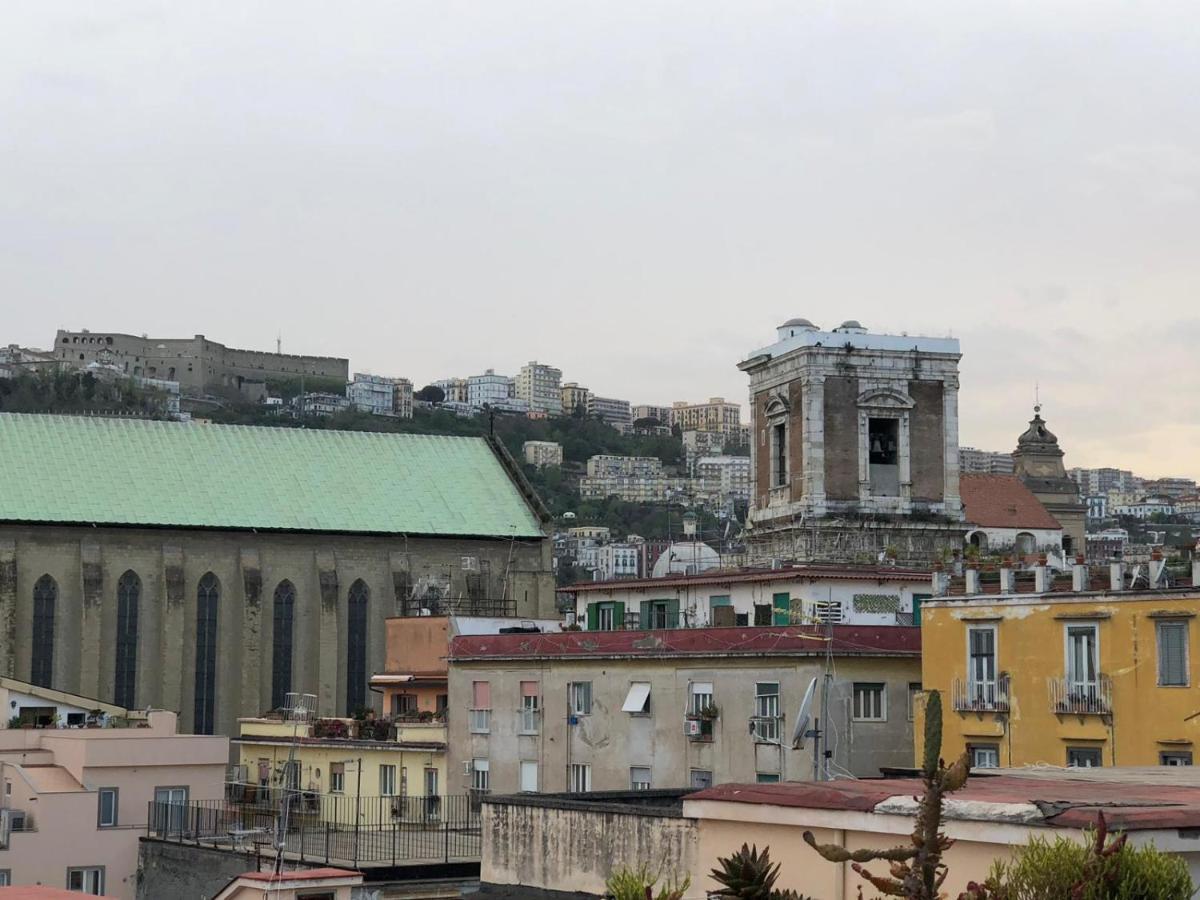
point(917, 598)
point(644, 615)
point(1172, 653)
point(673, 613)
point(619, 615)
point(593, 616)
point(783, 609)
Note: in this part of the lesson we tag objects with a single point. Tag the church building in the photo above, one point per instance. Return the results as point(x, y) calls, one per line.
point(211, 569)
point(1038, 462)
point(854, 450)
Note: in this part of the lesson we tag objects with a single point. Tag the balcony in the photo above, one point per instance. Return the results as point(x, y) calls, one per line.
point(981, 696)
point(1081, 698)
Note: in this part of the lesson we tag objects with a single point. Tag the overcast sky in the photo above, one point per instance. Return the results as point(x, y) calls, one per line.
point(636, 192)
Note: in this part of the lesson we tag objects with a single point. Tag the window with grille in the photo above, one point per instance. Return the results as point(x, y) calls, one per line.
point(481, 776)
point(1173, 653)
point(129, 592)
point(870, 702)
point(337, 777)
point(1175, 758)
point(356, 646)
point(208, 597)
point(766, 712)
point(1084, 757)
point(281, 648)
point(45, 595)
point(580, 697)
point(702, 697)
point(580, 778)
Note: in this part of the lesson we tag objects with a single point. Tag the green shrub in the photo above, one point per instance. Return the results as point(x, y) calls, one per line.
point(639, 884)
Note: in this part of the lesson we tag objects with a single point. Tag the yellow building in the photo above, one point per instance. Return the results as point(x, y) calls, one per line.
point(376, 771)
point(1097, 678)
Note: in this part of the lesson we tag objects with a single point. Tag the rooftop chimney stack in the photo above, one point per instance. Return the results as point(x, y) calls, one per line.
point(972, 581)
point(1007, 578)
point(1116, 576)
point(1041, 575)
point(1079, 575)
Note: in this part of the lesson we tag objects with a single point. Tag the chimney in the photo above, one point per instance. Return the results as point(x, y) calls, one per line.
point(1079, 575)
point(1041, 576)
point(972, 580)
point(1116, 576)
point(1158, 567)
point(1007, 580)
point(939, 581)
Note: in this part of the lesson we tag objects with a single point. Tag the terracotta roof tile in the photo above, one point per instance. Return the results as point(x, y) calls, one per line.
point(1002, 501)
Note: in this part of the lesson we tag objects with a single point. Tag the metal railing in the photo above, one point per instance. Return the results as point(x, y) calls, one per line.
point(1083, 698)
point(981, 696)
point(329, 828)
point(766, 729)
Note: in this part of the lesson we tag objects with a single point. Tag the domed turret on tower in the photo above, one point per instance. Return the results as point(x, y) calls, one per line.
point(1038, 462)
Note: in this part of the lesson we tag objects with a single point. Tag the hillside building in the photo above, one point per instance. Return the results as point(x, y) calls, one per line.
point(983, 462)
point(610, 411)
point(574, 398)
point(201, 366)
point(855, 445)
point(489, 389)
point(541, 387)
point(543, 453)
point(715, 415)
point(212, 568)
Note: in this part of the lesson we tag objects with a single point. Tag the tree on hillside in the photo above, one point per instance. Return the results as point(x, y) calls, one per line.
point(431, 393)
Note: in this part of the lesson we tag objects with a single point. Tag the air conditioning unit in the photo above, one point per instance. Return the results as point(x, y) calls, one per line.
point(691, 727)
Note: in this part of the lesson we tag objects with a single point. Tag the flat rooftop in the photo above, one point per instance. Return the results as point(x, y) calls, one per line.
point(878, 574)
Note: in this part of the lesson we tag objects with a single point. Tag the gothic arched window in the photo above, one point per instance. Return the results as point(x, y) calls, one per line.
point(356, 647)
point(281, 651)
point(45, 595)
point(208, 598)
point(129, 595)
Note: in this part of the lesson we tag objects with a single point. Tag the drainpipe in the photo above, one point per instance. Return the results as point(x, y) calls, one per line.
point(1079, 575)
point(1116, 575)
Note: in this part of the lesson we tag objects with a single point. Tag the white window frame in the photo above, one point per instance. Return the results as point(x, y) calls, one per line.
point(530, 714)
point(1187, 651)
point(91, 880)
point(606, 617)
point(337, 778)
point(978, 749)
point(983, 687)
point(637, 782)
point(387, 780)
point(579, 778)
point(116, 810)
point(579, 694)
point(481, 776)
point(766, 713)
point(1074, 684)
point(527, 766)
point(700, 698)
point(875, 687)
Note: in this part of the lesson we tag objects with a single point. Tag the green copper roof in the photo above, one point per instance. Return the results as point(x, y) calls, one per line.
point(141, 472)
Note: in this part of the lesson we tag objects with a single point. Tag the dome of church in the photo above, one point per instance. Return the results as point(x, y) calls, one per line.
point(798, 323)
point(686, 558)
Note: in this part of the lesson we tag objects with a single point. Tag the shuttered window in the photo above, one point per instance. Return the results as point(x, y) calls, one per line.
point(1173, 653)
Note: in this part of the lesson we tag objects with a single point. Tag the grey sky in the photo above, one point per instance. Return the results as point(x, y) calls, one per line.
point(636, 192)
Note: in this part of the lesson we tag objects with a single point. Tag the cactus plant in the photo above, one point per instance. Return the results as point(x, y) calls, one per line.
point(750, 875)
point(917, 870)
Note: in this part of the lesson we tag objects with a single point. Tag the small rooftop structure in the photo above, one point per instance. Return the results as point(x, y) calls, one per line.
point(1002, 501)
point(334, 884)
point(813, 572)
point(686, 558)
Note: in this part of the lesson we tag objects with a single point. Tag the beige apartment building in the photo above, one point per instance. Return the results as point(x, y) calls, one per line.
point(611, 411)
point(649, 411)
point(620, 710)
point(715, 415)
point(574, 397)
point(543, 453)
point(76, 800)
point(541, 387)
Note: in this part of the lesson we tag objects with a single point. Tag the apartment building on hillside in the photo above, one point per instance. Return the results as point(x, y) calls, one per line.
point(611, 411)
point(597, 711)
point(574, 398)
point(541, 387)
point(715, 415)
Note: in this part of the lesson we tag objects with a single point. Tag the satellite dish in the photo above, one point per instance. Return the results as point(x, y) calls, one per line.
point(802, 717)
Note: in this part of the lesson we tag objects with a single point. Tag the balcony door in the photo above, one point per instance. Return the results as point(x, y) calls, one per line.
point(981, 665)
point(1083, 662)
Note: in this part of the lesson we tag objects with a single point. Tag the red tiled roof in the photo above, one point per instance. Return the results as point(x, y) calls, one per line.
point(791, 640)
point(1065, 802)
point(741, 576)
point(1002, 501)
point(36, 892)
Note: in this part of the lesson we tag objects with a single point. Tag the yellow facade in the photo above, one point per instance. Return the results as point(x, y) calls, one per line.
point(371, 771)
point(1072, 679)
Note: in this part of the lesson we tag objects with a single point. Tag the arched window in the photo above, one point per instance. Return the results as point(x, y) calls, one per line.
point(356, 647)
point(45, 594)
point(129, 594)
point(281, 653)
point(208, 596)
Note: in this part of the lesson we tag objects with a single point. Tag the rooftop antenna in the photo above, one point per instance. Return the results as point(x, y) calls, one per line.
point(300, 710)
point(1037, 398)
point(279, 342)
